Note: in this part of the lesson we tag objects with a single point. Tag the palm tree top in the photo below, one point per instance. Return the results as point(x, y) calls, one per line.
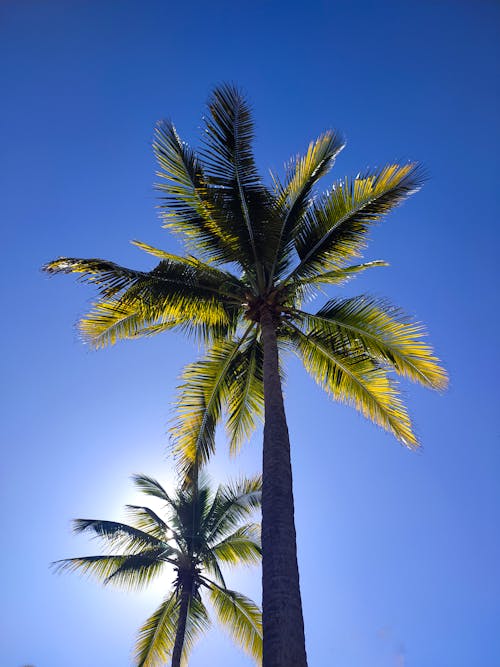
point(200, 531)
point(257, 250)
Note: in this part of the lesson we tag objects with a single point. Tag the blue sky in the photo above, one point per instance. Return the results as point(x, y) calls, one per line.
point(399, 552)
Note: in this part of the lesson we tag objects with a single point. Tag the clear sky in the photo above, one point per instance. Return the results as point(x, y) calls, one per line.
point(399, 552)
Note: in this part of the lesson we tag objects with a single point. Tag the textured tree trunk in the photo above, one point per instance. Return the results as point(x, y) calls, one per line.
point(181, 630)
point(283, 625)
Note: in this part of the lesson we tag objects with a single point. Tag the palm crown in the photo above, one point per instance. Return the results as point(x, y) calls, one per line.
point(200, 532)
point(283, 243)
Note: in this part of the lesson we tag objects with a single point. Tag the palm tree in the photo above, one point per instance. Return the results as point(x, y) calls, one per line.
point(201, 532)
point(257, 252)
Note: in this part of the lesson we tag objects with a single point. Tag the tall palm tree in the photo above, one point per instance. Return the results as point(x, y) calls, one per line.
point(200, 532)
point(257, 252)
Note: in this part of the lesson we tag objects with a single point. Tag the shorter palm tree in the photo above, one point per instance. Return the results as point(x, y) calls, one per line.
point(202, 530)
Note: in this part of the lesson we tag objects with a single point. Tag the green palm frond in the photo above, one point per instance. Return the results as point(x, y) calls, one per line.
point(206, 386)
point(113, 320)
point(334, 229)
point(156, 637)
point(139, 570)
point(351, 376)
point(336, 276)
point(241, 547)
point(188, 204)
point(175, 292)
point(230, 167)
point(241, 617)
point(119, 535)
point(151, 487)
point(385, 333)
point(126, 571)
point(245, 395)
point(147, 520)
point(232, 503)
point(294, 196)
point(197, 623)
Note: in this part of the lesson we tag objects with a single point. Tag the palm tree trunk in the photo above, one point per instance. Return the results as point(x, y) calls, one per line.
point(181, 629)
point(283, 625)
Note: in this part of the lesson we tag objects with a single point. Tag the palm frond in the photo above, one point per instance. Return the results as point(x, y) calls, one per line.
point(156, 637)
point(126, 571)
point(336, 276)
point(245, 395)
point(334, 229)
point(147, 520)
point(118, 534)
point(232, 503)
point(205, 388)
point(240, 547)
point(152, 487)
point(241, 617)
point(385, 333)
point(351, 376)
point(189, 206)
point(113, 320)
point(175, 292)
point(230, 167)
point(294, 196)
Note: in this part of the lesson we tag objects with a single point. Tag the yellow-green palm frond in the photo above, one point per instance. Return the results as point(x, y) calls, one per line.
point(385, 333)
point(240, 616)
point(351, 376)
point(156, 638)
point(245, 395)
point(205, 389)
point(175, 292)
point(334, 229)
point(118, 535)
point(113, 320)
point(293, 196)
point(132, 572)
point(240, 547)
point(335, 276)
point(188, 205)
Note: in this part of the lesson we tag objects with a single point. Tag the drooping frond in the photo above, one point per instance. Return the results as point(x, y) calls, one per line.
point(334, 229)
point(188, 203)
point(113, 320)
point(197, 623)
point(176, 292)
point(385, 334)
point(206, 386)
point(294, 196)
point(240, 617)
point(156, 637)
point(139, 570)
point(351, 376)
point(129, 571)
point(119, 535)
point(240, 547)
point(230, 167)
point(245, 395)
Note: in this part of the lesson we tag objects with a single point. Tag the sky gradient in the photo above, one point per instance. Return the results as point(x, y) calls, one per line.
point(399, 552)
